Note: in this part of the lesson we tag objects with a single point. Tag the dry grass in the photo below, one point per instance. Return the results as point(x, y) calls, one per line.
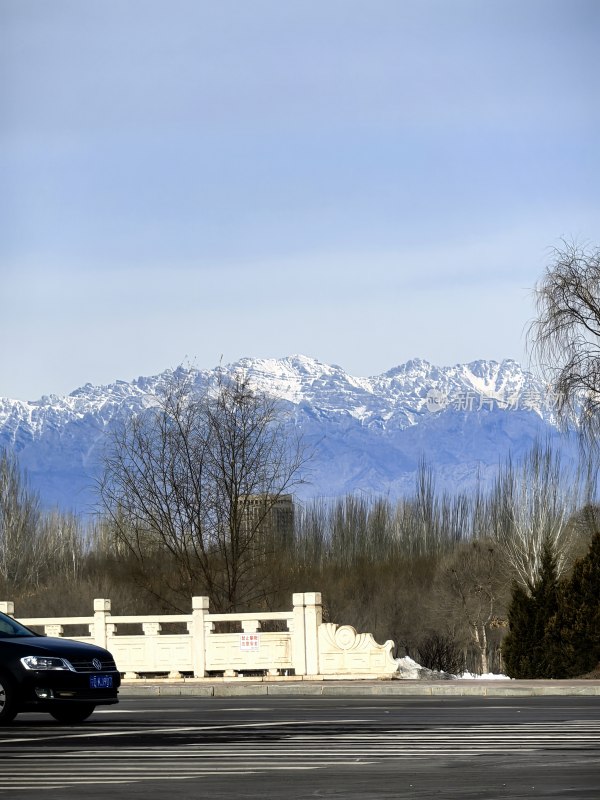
point(594, 675)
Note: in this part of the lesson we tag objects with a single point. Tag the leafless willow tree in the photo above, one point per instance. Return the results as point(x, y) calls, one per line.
point(191, 484)
point(565, 337)
point(534, 504)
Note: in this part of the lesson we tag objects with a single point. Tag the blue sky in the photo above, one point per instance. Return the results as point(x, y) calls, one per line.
point(362, 182)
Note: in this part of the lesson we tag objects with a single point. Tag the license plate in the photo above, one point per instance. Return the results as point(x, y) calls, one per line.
point(101, 682)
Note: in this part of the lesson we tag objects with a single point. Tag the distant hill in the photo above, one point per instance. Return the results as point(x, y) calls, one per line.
point(369, 434)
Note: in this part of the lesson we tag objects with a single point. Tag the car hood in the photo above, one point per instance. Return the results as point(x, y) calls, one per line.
point(65, 648)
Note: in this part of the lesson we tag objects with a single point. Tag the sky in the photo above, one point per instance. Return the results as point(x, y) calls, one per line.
point(360, 181)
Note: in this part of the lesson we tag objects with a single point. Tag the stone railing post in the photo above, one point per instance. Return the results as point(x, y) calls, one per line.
point(101, 616)
point(197, 630)
point(298, 635)
point(7, 607)
point(313, 617)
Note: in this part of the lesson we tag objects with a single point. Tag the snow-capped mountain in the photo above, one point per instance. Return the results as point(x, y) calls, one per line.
point(368, 434)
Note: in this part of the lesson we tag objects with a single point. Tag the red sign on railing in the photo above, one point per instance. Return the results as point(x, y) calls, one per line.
point(249, 641)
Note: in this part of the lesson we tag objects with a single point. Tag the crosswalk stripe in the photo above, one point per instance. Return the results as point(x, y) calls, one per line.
point(287, 747)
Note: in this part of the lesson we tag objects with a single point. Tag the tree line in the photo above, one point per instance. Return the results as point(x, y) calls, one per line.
point(434, 572)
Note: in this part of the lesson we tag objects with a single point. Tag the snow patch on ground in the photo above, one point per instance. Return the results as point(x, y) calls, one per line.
point(409, 669)
point(488, 676)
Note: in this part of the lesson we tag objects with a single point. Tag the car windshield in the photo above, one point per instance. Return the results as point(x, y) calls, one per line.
point(9, 627)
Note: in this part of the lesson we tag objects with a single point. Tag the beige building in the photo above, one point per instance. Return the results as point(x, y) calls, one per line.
point(271, 514)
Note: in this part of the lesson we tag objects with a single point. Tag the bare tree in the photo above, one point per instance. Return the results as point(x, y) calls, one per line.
point(63, 545)
point(20, 551)
point(192, 483)
point(471, 593)
point(533, 505)
point(565, 336)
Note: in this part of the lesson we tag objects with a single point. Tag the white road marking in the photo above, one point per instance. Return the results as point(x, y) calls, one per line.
point(91, 733)
point(123, 711)
point(291, 751)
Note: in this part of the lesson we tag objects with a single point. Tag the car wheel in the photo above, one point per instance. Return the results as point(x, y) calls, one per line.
point(73, 714)
point(8, 706)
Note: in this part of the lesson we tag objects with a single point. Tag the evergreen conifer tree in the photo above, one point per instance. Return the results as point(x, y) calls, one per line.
point(525, 648)
point(574, 633)
point(516, 649)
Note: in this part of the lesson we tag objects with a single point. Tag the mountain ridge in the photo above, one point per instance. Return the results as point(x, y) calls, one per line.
point(369, 433)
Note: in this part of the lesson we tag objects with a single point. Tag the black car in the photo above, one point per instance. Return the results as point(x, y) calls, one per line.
point(67, 679)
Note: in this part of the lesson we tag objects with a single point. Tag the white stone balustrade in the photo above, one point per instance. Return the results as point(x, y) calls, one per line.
point(305, 647)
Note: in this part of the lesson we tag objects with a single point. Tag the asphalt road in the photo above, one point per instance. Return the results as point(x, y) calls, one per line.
point(305, 747)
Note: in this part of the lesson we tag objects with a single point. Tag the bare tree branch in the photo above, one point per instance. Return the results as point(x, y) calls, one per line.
point(565, 337)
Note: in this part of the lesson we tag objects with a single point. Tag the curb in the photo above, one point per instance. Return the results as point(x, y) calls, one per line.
point(400, 688)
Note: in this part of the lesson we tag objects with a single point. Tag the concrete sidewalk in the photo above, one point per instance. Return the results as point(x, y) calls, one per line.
point(245, 687)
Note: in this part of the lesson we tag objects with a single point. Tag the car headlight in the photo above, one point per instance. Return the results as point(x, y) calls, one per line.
point(45, 663)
